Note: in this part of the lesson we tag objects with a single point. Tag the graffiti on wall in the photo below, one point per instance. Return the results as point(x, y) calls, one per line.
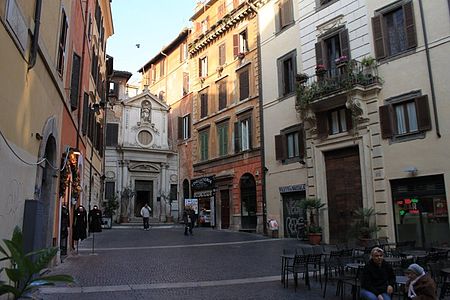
point(293, 215)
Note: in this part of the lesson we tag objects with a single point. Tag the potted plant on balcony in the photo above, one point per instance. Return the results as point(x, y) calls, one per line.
point(320, 70)
point(341, 61)
point(241, 55)
point(312, 207)
point(301, 78)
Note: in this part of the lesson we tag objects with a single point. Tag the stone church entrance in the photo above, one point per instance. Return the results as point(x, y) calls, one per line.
point(144, 194)
point(344, 190)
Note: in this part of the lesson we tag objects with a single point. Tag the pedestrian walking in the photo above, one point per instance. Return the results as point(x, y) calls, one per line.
point(378, 277)
point(188, 219)
point(145, 213)
point(420, 285)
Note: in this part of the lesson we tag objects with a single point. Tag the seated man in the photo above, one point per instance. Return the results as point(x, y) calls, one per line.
point(420, 285)
point(378, 278)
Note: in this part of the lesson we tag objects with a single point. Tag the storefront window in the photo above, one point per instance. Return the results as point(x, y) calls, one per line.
point(420, 210)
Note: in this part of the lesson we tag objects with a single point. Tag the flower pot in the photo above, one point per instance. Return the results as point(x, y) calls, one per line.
point(314, 238)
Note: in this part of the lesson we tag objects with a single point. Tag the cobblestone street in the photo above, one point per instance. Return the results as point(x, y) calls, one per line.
point(129, 263)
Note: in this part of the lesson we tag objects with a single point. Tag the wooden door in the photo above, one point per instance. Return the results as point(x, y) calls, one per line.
point(225, 209)
point(344, 189)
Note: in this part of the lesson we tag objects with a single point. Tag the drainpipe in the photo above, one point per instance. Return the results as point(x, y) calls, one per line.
point(430, 73)
point(35, 42)
point(261, 125)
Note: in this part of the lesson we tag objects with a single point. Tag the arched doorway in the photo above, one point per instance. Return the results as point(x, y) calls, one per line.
point(248, 201)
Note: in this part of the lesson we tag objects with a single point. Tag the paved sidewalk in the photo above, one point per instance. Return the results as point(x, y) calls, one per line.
point(130, 263)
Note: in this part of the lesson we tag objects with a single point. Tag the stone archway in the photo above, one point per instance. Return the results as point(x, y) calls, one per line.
point(247, 185)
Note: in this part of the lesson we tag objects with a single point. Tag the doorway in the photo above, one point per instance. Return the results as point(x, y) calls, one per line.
point(144, 194)
point(344, 190)
point(225, 208)
point(248, 202)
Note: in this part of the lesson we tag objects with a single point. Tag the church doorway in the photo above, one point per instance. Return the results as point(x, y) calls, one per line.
point(144, 194)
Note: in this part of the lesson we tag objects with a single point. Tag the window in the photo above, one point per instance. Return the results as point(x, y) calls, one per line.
point(242, 135)
point(86, 110)
point(240, 43)
point(222, 138)
point(205, 25)
point(62, 44)
point(221, 9)
point(405, 117)
point(337, 120)
point(333, 121)
point(109, 190)
point(184, 127)
point(145, 138)
point(203, 67)
point(289, 144)
point(185, 83)
point(161, 68)
point(173, 192)
point(244, 87)
point(222, 86)
point(394, 30)
point(323, 2)
point(183, 52)
point(222, 54)
point(203, 105)
point(75, 81)
point(286, 74)
point(284, 15)
point(112, 134)
point(331, 47)
point(203, 137)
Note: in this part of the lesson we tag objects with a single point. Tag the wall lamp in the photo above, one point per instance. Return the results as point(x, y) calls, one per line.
point(75, 151)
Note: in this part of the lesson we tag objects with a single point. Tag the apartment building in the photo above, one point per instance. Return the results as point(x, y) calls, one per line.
point(40, 125)
point(226, 124)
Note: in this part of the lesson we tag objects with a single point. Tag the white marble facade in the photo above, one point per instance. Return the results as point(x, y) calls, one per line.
point(142, 165)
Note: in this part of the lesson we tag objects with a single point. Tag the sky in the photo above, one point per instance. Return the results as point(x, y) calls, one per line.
point(152, 24)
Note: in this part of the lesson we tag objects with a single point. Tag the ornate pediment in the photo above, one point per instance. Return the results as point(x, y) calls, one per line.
point(144, 167)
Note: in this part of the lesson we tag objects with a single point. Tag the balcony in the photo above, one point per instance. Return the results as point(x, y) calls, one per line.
point(337, 81)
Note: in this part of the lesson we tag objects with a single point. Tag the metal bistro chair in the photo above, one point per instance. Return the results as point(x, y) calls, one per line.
point(315, 266)
point(332, 264)
point(300, 266)
point(287, 259)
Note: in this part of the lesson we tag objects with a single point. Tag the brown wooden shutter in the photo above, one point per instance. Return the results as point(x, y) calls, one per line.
point(235, 3)
point(237, 138)
point(387, 129)
point(222, 54)
point(244, 85)
point(322, 124)
point(319, 56)
point(423, 113)
point(345, 44)
point(75, 81)
point(222, 95)
point(410, 27)
point(199, 67)
point(180, 128)
point(378, 39)
point(235, 45)
point(250, 133)
point(189, 126)
point(277, 8)
point(86, 109)
point(301, 142)
point(348, 119)
point(280, 147)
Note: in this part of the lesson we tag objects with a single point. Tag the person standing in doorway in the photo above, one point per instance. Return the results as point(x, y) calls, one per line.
point(145, 213)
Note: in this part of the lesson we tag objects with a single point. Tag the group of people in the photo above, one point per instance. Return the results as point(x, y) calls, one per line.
point(378, 280)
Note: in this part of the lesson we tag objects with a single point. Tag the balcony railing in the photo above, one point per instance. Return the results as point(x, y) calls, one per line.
point(341, 78)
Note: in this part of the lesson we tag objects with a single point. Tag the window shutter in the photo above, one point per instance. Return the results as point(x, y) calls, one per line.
point(85, 124)
point(235, 45)
point(199, 67)
point(280, 147)
point(206, 65)
point(237, 138)
point(235, 3)
point(185, 83)
point(286, 11)
point(181, 52)
point(319, 56)
point(423, 113)
point(277, 8)
point(189, 125)
point(345, 43)
point(180, 128)
point(387, 129)
point(222, 54)
point(301, 142)
point(410, 26)
point(348, 119)
point(75, 81)
point(250, 135)
point(243, 85)
point(378, 39)
point(322, 124)
point(112, 133)
point(222, 95)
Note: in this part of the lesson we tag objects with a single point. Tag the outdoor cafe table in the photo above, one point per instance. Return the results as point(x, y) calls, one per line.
point(415, 253)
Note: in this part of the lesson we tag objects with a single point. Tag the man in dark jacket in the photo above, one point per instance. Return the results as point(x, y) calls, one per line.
point(420, 286)
point(378, 277)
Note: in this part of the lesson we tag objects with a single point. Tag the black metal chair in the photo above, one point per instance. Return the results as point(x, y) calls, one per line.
point(299, 266)
point(315, 266)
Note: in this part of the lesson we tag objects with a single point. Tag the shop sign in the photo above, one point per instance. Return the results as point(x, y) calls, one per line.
point(201, 194)
point(292, 188)
point(203, 183)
